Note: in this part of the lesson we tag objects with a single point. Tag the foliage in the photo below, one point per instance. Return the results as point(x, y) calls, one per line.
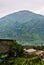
point(38, 47)
point(14, 47)
point(27, 61)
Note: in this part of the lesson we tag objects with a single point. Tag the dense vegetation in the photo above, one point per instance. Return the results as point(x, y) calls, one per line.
point(15, 56)
point(22, 60)
point(26, 61)
point(15, 48)
point(38, 47)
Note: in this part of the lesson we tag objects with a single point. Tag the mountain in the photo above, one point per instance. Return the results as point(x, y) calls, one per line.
point(24, 26)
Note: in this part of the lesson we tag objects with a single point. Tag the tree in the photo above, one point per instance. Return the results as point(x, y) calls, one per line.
point(15, 48)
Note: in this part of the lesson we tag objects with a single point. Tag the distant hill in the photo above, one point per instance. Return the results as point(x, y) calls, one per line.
point(24, 26)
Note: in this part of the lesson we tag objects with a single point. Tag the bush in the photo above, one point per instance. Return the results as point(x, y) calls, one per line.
point(14, 47)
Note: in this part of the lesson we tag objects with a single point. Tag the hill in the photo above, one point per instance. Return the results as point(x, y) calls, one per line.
point(24, 26)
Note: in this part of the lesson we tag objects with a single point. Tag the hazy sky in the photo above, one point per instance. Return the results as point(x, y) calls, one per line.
point(10, 6)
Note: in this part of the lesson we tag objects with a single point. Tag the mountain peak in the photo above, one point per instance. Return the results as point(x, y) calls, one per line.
point(25, 11)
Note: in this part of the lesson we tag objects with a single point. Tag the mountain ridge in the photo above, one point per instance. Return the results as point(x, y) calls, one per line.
point(21, 11)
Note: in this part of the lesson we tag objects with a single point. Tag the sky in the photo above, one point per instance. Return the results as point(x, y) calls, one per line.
point(11, 6)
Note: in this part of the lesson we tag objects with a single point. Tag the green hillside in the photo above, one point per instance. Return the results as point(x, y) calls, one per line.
point(24, 26)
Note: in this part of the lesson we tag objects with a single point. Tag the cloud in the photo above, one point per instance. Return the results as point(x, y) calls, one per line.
point(9, 6)
point(40, 11)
